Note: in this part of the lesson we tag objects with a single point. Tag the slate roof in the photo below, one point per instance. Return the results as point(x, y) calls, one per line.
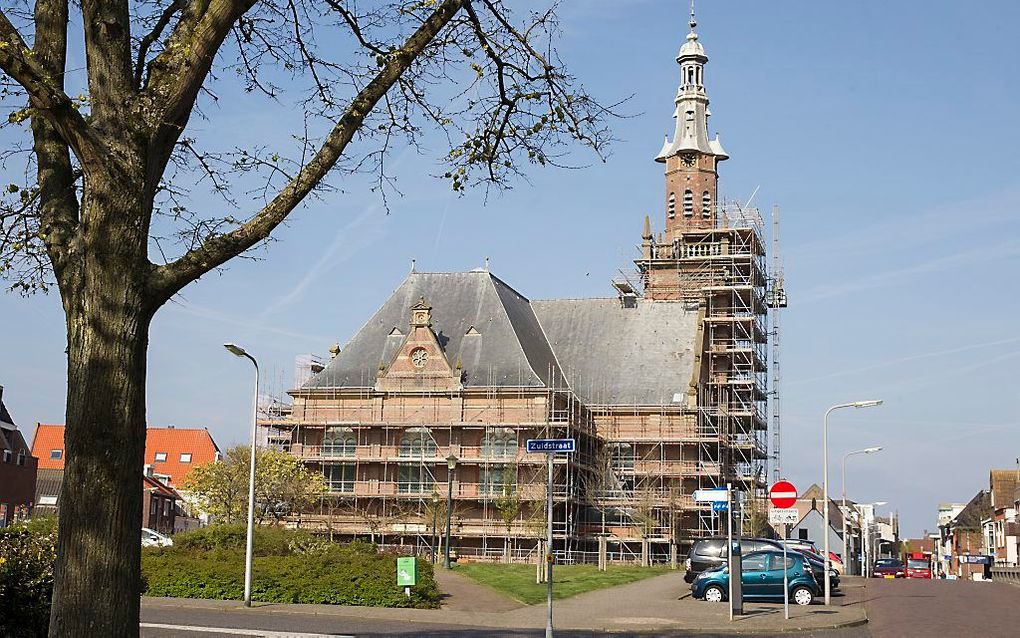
point(608, 354)
point(978, 509)
point(5, 416)
point(1003, 484)
point(613, 355)
point(509, 349)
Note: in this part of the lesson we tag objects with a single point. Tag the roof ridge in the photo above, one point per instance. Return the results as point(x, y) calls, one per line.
point(513, 328)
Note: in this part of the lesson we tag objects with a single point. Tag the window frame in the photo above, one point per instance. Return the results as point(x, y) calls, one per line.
point(57, 455)
point(156, 458)
point(185, 454)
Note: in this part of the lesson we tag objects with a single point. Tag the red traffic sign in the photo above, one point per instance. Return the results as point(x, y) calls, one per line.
point(783, 494)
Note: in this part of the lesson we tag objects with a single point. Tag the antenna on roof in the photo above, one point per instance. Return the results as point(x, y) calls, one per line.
point(486, 264)
point(412, 266)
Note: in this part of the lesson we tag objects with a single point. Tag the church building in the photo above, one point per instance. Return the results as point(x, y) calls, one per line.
point(663, 386)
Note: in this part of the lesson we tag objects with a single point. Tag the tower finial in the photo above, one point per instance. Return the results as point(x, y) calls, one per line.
point(693, 22)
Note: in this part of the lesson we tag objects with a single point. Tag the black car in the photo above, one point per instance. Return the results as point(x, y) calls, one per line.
point(710, 553)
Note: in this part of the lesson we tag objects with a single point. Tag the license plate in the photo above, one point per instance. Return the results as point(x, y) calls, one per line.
point(889, 576)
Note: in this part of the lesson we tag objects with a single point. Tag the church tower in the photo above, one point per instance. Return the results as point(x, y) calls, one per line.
point(691, 158)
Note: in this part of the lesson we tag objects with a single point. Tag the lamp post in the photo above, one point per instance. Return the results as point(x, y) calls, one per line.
point(825, 480)
point(240, 352)
point(846, 552)
point(451, 465)
point(435, 523)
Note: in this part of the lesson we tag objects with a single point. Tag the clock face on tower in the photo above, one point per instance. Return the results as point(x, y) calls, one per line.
point(689, 160)
point(419, 357)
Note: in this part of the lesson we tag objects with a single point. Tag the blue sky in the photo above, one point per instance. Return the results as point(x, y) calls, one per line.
point(886, 133)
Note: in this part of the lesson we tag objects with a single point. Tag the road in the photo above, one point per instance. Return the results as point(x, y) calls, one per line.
point(896, 609)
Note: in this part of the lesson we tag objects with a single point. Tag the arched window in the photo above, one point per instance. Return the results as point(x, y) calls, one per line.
point(417, 443)
point(339, 441)
point(671, 206)
point(706, 204)
point(499, 443)
point(416, 478)
point(688, 203)
point(21, 456)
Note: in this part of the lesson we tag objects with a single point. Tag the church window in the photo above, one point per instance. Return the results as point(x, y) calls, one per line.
point(498, 480)
point(671, 206)
point(417, 443)
point(416, 478)
point(499, 443)
point(339, 478)
point(688, 203)
point(706, 204)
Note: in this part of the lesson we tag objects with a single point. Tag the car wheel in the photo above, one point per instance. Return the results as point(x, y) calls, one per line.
point(714, 594)
point(803, 596)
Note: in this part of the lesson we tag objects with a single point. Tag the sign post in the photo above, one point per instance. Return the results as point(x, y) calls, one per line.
point(407, 573)
point(735, 559)
point(784, 496)
point(549, 447)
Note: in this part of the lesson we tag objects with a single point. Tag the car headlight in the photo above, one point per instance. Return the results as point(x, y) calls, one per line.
point(702, 575)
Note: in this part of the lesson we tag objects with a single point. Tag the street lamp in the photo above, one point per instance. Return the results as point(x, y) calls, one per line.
point(846, 552)
point(435, 523)
point(451, 465)
point(239, 351)
point(825, 480)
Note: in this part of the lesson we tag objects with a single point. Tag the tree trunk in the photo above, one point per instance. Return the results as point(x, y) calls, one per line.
point(97, 578)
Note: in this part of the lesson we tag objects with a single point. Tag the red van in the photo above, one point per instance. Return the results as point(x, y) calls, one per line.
point(918, 565)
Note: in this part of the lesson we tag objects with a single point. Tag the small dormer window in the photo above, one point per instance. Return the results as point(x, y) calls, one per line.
point(706, 205)
point(56, 455)
point(688, 203)
point(671, 206)
point(160, 457)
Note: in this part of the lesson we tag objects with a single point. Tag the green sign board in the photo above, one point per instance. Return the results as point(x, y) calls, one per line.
point(407, 571)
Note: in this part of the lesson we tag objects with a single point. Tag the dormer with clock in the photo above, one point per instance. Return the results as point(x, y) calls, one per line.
point(419, 363)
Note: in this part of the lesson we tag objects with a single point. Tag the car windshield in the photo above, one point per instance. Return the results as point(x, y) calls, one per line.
point(888, 562)
point(917, 563)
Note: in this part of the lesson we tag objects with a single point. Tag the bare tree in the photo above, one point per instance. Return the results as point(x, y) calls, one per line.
point(104, 209)
point(509, 506)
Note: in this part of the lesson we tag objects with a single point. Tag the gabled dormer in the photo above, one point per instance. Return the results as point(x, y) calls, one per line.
point(420, 363)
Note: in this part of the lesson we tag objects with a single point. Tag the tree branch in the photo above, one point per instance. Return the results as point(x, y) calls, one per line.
point(17, 61)
point(153, 35)
point(168, 279)
point(58, 208)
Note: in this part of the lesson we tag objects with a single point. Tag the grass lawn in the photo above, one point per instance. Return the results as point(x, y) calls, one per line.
point(518, 581)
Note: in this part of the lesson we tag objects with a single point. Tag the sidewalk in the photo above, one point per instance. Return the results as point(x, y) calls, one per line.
point(649, 605)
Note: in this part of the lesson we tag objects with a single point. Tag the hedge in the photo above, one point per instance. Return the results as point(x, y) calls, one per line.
point(289, 567)
point(27, 552)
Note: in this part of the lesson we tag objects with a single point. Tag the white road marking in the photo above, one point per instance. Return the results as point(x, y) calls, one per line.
point(234, 631)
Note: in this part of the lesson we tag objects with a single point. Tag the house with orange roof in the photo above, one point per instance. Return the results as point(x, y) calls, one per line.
point(171, 454)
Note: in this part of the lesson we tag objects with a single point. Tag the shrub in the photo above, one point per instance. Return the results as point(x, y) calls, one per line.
point(27, 552)
point(299, 569)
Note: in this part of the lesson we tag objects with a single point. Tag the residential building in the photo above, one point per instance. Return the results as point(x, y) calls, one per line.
point(662, 386)
point(964, 536)
point(17, 470)
point(943, 548)
point(811, 525)
point(171, 454)
point(1001, 526)
point(160, 505)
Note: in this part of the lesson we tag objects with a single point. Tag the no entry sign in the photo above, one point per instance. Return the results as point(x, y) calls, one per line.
point(783, 494)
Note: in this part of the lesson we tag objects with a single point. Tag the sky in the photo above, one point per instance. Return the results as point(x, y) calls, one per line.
point(886, 134)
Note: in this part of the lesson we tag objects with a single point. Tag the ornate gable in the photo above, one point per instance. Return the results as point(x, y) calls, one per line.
point(420, 363)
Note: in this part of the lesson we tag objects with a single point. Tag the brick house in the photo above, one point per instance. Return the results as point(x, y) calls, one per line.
point(17, 470)
point(964, 536)
point(1001, 526)
point(160, 505)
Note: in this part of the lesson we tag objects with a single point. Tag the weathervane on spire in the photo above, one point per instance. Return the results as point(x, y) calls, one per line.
point(693, 22)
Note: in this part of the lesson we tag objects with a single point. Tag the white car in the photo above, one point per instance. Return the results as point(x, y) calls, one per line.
point(152, 538)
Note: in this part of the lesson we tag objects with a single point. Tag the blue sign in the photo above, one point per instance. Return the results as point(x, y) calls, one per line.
point(552, 446)
point(720, 506)
point(980, 560)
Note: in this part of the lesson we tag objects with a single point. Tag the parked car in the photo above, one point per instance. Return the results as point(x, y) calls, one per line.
point(711, 553)
point(152, 538)
point(815, 557)
point(888, 568)
point(761, 577)
point(836, 562)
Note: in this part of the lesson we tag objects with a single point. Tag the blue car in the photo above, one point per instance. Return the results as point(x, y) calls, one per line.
point(762, 578)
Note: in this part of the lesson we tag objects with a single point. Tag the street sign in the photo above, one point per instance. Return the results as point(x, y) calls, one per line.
point(710, 496)
point(552, 446)
point(788, 516)
point(407, 571)
point(783, 494)
point(720, 506)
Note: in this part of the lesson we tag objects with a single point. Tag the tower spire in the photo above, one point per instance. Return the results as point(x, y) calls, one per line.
point(693, 22)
